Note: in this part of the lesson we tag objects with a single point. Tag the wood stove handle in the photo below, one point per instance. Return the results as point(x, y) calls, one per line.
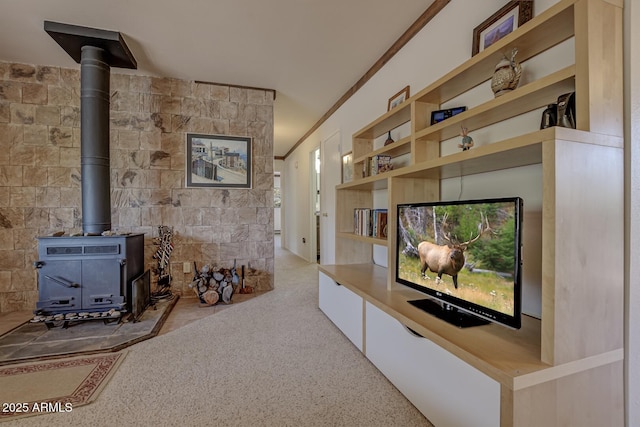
point(65, 283)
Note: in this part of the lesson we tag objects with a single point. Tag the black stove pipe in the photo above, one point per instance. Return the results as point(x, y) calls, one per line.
point(94, 140)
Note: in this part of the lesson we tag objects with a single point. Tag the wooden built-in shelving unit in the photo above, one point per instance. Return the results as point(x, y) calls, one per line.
point(579, 340)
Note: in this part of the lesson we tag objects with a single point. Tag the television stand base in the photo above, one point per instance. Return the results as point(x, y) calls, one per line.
point(448, 314)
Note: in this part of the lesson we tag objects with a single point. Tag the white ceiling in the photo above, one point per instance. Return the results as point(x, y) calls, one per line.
point(310, 51)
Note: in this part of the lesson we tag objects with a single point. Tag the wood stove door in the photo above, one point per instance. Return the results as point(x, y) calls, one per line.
point(101, 284)
point(59, 286)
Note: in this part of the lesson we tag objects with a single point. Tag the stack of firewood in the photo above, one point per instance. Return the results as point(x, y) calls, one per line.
point(214, 284)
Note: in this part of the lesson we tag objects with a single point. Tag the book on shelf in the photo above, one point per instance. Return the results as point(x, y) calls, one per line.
point(377, 164)
point(370, 222)
point(380, 163)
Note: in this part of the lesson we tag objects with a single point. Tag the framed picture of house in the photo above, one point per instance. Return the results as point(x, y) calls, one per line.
point(503, 22)
point(398, 98)
point(218, 161)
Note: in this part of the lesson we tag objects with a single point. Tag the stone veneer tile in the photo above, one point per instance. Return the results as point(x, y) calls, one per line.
point(48, 197)
point(11, 259)
point(48, 75)
point(220, 93)
point(10, 135)
point(59, 177)
point(221, 127)
point(25, 238)
point(23, 155)
point(70, 197)
point(21, 280)
point(60, 95)
point(238, 95)
point(70, 116)
point(10, 91)
point(6, 239)
point(4, 197)
point(150, 140)
point(181, 88)
point(177, 160)
point(211, 108)
point(36, 218)
point(119, 82)
point(129, 217)
point(69, 156)
point(36, 135)
point(170, 104)
point(11, 176)
point(140, 84)
point(47, 115)
point(61, 218)
point(160, 159)
point(17, 301)
point(161, 121)
point(191, 107)
point(161, 85)
point(34, 93)
point(125, 101)
point(13, 217)
point(257, 96)
point(23, 196)
point(22, 72)
point(128, 140)
point(229, 110)
point(23, 114)
point(48, 156)
point(34, 176)
point(5, 112)
point(70, 77)
point(61, 136)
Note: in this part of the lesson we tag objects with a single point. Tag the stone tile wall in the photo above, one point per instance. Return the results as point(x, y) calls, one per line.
point(150, 117)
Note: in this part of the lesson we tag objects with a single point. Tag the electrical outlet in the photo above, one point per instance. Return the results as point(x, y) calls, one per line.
point(186, 267)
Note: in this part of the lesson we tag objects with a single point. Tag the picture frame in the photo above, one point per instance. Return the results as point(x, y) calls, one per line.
point(347, 167)
point(218, 161)
point(503, 22)
point(398, 98)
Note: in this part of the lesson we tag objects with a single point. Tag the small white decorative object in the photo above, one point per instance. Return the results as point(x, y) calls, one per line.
point(507, 74)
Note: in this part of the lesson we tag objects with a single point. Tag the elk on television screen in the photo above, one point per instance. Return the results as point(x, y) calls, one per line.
point(465, 256)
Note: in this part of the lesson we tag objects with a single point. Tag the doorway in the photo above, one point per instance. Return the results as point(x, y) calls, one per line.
point(314, 192)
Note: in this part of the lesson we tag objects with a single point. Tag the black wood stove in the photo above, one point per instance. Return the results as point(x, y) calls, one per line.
point(93, 272)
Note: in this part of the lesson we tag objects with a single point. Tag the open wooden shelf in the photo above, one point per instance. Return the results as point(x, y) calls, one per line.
point(578, 341)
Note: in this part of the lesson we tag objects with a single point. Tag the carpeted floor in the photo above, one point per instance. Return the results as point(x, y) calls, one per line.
point(36, 388)
point(275, 360)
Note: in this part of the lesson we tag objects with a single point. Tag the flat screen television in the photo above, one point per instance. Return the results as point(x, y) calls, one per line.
point(465, 256)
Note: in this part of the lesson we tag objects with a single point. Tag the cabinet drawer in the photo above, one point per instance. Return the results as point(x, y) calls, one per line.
point(343, 307)
point(447, 390)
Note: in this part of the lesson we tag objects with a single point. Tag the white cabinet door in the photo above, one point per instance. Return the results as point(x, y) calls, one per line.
point(343, 307)
point(447, 390)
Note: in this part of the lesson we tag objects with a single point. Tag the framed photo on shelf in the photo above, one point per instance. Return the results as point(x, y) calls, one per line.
point(398, 98)
point(347, 167)
point(503, 22)
point(218, 161)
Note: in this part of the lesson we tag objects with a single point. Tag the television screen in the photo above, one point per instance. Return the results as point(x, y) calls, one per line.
point(464, 254)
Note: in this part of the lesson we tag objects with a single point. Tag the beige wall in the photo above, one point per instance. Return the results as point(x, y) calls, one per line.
point(150, 117)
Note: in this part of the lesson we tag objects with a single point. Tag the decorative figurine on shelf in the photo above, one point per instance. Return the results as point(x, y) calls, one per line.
point(389, 139)
point(467, 141)
point(506, 75)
